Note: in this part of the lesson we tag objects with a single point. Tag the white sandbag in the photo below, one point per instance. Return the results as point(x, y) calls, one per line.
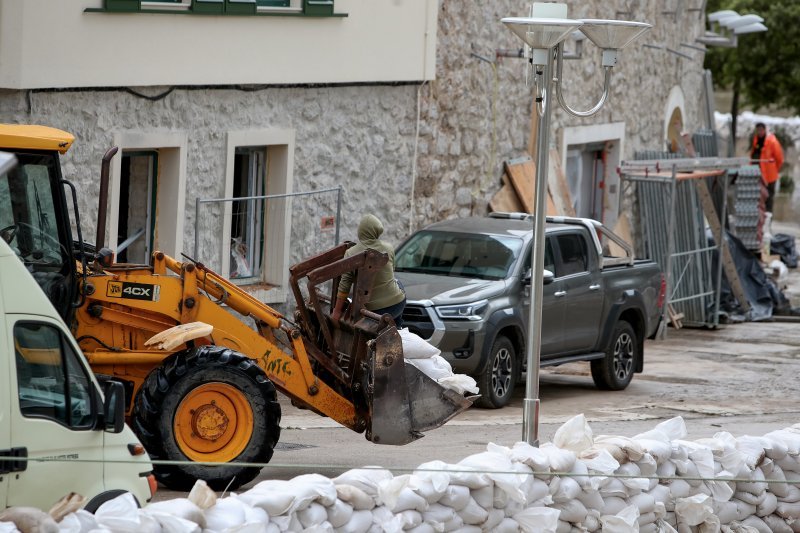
point(424, 528)
point(580, 473)
point(415, 347)
point(674, 428)
point(496, 516)
point(660, 494)
point(536, 490)
point(792, 494)
point(435, 367)
point(454, 524)
point(724, 451)
point(459, 383)
point(773, 473)
point(679, 488)
point(497, 467)
point(634, 484)
point(753, 449)
point(531, 456)
point(591, 499)
point(500, 498)
point(279, 497)
point(273, 528)
point(757, 524)
point(229, 512)
point(777, 524)
point(693, 510)
point(773, 448)
point(431, 473)
point(633, 451)
point(592, 522)
point(646, 519)
point(568, 490)
point(537, 519)
point(180, 507)
point(508, 525)
point(173, 524)
point(751, 499)
point(366, 479)
point(515, 507)
point(409, 519)
point(613, 505)
point(201, 495)
point(438, 514)
point(768, 506)
point(9, 527)
point(397, 497)
point(788, 439)
point(456, 497)
point(354, 496)
point(563, 527)
point(659, 449)
point(788, 510)
point(571, 511)
point(614, 487)
point(646, 503)
point(313, 515)
point(359, 522)
point(484, 497)
point(599, 461)
point(121, 514)
point(339, 513)
point(789, 463)
point(560, 460)
point(667, 469)
point(574, 434)
point(469, 529)
point(623, 522)
point(80, 521)
point(473, 514)
point(726, 511)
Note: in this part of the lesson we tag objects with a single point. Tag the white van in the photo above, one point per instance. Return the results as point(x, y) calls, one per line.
point(52, 408)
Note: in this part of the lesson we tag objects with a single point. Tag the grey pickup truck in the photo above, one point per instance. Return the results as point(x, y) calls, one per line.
point(468, 287)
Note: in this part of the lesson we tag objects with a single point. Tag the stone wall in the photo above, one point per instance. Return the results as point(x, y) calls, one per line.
point(475, 115)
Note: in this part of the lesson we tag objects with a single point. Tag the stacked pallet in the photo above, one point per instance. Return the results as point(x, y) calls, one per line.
point(518, 188)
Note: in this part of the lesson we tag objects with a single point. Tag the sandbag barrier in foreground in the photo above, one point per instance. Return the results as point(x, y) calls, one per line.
point(653, 482)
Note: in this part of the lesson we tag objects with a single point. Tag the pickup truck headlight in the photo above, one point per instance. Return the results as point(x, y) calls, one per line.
point(471, 311)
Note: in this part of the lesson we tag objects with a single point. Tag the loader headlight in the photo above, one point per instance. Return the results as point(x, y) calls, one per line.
point(472, 311)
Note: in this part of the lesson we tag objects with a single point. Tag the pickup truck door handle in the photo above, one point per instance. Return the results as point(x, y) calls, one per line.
point(594, 287)
point(9, 464)
point(559, 294)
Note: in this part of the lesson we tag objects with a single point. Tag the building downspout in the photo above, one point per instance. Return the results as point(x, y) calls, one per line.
point(419, 113)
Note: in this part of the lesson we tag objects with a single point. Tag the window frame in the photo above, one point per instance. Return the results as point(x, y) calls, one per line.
point(301, 8)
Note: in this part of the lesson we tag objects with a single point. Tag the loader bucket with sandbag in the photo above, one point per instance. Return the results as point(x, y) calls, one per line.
point(362, 353)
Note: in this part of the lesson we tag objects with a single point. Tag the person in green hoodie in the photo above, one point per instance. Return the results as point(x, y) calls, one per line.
point(386, 296)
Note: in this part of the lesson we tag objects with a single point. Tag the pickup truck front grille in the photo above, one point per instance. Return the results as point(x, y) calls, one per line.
point(417, 320)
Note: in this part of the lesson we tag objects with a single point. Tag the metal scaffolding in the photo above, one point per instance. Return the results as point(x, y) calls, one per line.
point(675, 205)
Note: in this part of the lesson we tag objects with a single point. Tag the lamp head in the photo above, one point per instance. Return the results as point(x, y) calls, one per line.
point(541, 34)
point(744, 20)
point(612, 35)
point(755, 27)
point(717, 15)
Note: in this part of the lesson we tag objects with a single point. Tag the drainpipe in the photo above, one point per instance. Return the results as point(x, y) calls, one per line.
point(102, 207)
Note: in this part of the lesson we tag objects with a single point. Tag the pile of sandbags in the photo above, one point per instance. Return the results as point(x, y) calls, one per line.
point(653, 482)
point(427, 359)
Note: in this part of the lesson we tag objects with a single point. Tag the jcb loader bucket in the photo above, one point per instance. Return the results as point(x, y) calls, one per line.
point(405, 402)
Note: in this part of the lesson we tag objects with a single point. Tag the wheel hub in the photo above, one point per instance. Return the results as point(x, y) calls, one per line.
point(209, 422)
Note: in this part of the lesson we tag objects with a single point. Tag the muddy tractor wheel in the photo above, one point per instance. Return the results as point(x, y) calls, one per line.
point(615, 370)
point(207, 404)
point(496, 382)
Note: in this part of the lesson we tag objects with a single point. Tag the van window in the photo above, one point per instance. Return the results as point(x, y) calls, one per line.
point(51, 382)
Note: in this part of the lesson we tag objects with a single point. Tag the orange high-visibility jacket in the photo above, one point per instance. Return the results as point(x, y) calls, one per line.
point(771, 157)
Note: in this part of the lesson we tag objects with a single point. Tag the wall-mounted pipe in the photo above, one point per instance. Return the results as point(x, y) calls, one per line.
point(102, 207)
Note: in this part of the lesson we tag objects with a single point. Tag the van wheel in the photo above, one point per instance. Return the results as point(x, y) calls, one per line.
point(95, 503)
point(207, 404)
point(615, 370)
point(497, 381)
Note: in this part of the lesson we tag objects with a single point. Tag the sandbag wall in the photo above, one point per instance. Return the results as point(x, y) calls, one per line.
point(655, 481)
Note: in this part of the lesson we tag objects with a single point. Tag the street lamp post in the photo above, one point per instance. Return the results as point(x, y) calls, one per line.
point(544, 32)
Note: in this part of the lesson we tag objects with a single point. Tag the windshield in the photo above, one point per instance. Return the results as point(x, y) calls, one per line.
point(27, 214)
point(458, 254)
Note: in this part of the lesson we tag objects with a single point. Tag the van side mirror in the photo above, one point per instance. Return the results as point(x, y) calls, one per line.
point(114, 407)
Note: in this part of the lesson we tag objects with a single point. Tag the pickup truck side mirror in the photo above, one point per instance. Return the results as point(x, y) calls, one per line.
point(547, 277)
point(114, 407)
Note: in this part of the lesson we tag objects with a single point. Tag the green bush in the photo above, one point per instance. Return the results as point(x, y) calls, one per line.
point(787, 184)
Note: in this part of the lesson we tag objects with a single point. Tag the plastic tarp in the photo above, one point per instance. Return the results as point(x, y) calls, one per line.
point(784, 246)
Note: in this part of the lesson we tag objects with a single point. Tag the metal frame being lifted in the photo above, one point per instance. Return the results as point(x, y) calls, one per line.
point(674, 206)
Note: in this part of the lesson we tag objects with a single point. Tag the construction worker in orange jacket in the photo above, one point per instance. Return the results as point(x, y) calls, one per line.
point(767, 149)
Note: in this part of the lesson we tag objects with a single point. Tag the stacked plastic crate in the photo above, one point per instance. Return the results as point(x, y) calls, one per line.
point(748, 222)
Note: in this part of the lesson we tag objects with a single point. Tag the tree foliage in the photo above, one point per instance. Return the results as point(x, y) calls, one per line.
point(764, 67)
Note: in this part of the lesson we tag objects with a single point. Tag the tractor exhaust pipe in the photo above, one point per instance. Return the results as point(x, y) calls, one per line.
point(102, 207)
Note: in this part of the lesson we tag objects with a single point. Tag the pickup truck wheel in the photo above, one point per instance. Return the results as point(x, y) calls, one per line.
point(615, 370)
point(208, 404)
point(497, 381)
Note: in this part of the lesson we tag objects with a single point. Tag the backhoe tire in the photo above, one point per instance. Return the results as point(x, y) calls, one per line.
point(615, 370)
point(496, 382)
point(207, 404)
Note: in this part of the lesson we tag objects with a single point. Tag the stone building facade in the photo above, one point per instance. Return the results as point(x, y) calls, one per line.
point(412, 151)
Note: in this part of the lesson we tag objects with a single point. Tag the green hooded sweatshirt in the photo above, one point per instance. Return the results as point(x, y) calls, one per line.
point(385, 291)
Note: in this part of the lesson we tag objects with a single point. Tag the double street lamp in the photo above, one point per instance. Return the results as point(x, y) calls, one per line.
point(544, 33)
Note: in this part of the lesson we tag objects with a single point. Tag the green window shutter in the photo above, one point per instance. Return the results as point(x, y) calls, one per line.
point(240, 7)
point(318, 7)
point(273, 3)
point(123, 6)
point(208, 6)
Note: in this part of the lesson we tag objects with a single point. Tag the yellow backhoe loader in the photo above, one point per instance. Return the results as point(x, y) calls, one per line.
point(201, 382)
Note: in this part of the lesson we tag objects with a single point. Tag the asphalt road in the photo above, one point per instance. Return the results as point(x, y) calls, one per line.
point(742, 378)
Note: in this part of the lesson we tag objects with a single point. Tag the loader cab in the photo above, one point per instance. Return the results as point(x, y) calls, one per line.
point(34, 220)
